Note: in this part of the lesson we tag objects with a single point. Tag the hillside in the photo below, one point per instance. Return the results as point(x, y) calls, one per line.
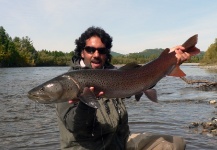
point(147, 56)
point(149, 52)
point(146, 53)
point(114, 54)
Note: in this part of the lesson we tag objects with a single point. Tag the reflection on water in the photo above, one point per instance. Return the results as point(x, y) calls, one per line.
point(27, 125)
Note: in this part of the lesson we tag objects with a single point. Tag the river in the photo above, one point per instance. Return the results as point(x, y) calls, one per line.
point(26, 125)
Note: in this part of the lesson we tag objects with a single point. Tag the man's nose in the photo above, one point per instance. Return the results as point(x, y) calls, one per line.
point(96, 53)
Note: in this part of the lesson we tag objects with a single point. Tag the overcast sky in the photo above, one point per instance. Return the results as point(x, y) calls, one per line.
point(135, 25)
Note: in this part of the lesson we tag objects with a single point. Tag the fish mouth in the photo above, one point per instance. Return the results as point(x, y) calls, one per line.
point(39, 99)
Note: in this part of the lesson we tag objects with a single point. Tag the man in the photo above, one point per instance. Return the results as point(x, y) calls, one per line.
point(82, 127)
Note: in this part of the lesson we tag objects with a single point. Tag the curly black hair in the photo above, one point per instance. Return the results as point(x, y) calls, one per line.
point(93, 31)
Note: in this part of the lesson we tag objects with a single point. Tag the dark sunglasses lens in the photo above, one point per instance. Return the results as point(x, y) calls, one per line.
point(92, 50)
point(102, 50)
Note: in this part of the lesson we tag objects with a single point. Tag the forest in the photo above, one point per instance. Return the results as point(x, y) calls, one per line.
point(20, 52)
point(210, 56)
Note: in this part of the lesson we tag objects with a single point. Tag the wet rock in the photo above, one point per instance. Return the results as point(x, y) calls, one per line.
point(205, 130)
point(208, 128)
point(209, 135)
point(193, 125)
point(209, 125)
point(214, 132)
point(212, 102)
point(214, 119)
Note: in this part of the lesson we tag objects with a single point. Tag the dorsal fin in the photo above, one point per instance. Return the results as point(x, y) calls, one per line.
point(130, 66)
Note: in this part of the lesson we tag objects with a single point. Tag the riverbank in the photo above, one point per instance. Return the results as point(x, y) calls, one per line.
point(214, 66)
point(208, 66)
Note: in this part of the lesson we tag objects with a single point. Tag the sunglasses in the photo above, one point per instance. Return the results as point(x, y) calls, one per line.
point(92, 50)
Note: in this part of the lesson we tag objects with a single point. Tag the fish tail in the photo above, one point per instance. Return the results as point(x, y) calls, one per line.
point(189, 45)
point(189, 48)
point(190, 42)
point(193, 51)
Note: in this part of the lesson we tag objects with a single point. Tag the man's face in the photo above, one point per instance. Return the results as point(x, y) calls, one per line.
point(94, 55)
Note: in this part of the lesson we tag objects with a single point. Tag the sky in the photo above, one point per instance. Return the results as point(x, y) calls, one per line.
point(134, 25)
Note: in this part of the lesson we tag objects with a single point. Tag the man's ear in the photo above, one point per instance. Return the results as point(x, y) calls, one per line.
point(82, 54)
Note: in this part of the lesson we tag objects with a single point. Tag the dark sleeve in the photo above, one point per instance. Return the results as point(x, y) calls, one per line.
point(77, 118)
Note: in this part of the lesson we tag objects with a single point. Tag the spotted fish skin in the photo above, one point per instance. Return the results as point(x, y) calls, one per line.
point(115, 83)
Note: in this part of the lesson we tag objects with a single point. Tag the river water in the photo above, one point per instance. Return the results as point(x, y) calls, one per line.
point(26, 125)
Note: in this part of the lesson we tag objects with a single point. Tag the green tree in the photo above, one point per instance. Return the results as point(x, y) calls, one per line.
point(53, 58)
point(210, 56)
point(4, 39)
point(26, 51)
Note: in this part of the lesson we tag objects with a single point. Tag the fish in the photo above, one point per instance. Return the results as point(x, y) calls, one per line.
point(127, 81)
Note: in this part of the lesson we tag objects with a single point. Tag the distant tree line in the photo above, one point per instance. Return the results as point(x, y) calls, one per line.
point(20, 52)
point(140, 58)
point(147, 56)
point(210, 57)
point(53, 58)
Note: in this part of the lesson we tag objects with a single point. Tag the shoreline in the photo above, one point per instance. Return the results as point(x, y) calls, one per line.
point(213, 67)
point(190, 64)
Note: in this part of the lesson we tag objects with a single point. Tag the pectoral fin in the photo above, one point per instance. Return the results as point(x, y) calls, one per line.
point(138, 96)
point(151, 94)
point(89, 98)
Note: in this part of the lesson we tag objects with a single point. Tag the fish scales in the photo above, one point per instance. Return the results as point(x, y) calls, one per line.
point(123, 83)
point(115, 83)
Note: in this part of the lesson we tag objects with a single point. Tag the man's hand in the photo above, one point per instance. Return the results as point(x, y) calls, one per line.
point(97, 95)
point(92, 89)
point(180, 55)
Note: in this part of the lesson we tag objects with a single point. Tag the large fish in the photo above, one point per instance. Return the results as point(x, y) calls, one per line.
point(115, 83)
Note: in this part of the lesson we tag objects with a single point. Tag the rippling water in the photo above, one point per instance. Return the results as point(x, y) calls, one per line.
point(27, 125)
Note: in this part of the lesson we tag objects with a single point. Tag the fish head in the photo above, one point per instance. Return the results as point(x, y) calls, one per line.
point(47, 92)
point(59, 89)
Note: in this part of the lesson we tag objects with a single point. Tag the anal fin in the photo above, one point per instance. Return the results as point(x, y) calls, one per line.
point(151, 94)
point(177, 72)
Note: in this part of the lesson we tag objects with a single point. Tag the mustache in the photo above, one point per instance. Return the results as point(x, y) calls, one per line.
point(96, 60)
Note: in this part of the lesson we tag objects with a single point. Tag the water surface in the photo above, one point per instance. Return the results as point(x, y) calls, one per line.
point(25, 124)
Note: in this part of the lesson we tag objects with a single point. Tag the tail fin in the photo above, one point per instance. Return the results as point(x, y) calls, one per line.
point(190, 48)
point(192, 41)
point(193, 51)
point(189, 45)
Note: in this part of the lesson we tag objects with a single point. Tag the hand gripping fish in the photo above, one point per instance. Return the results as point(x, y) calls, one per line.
point(115, 83)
